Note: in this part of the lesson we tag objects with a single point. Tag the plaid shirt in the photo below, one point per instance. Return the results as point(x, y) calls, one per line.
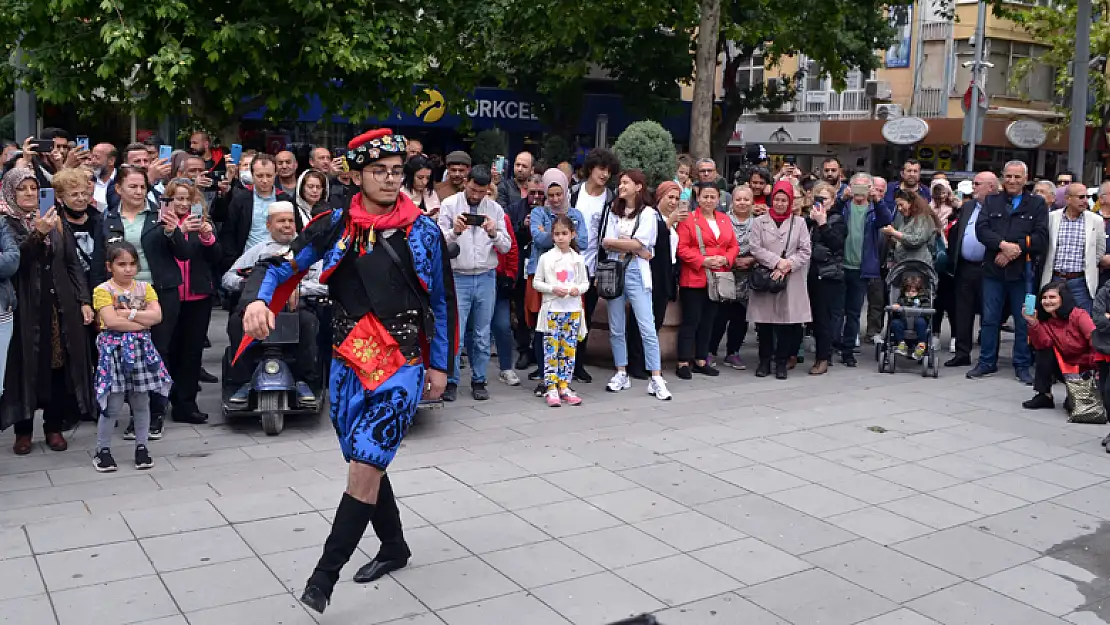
point(1069, 245)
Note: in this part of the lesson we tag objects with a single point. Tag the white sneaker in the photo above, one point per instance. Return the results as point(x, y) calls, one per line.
point(952, 346)
point(657, 386)
point(619, 382)
point(509, 377)
point(877, 339)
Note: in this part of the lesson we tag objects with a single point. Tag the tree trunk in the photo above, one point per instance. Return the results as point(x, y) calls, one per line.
point(705, 77)
point(723, 135)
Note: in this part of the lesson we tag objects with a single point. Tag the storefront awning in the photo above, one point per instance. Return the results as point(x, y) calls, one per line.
point(942, 131)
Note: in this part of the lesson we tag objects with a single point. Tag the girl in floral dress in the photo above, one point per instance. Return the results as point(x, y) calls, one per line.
point(129, 367)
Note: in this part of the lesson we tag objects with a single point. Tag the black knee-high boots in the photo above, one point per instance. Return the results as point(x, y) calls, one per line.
point(394, 553)
point(351, 519)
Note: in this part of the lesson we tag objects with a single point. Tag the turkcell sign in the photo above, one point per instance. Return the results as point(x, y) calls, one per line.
point(500, 109)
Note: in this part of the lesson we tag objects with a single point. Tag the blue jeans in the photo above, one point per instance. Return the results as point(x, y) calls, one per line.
point(898, 329)
point(503, 332)
point(855, 289)
point(6, 330)
point(995, 292)
point(640, 299)
point(1080, 294)
point(476, 296)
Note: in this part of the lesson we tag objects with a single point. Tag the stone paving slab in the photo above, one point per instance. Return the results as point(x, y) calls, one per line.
point(850, 499)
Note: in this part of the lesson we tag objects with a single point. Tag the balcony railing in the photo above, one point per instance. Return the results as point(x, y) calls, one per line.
point(847, 104)
point(931, 102)
point(936, 31)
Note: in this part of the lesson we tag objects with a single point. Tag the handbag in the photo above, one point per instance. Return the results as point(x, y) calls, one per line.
point(721, 285)
point(761, 280)
point(609, 276)
point(1086, 400)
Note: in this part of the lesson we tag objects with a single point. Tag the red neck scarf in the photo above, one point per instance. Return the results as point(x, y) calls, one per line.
point(403, 215)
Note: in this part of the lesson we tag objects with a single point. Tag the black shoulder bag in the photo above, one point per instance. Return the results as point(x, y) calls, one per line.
point(609, 277)
point(761, 280)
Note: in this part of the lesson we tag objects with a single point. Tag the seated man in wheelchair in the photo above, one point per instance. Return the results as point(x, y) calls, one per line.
point(281, 230)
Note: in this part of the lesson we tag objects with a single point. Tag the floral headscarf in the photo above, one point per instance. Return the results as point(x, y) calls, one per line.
point(15, 177)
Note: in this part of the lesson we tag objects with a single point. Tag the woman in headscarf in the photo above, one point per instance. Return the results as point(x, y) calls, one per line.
point(49, 363)
point(558, 203)
point(780, 242)
point(312, 194)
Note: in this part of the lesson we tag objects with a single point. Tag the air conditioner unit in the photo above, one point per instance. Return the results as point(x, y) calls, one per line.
point(877, 89)
point(888, 111)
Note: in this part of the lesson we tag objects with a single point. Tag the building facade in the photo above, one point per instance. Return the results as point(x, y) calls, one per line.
point(922, 74)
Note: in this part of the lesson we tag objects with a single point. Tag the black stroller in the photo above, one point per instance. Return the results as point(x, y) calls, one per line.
point(885, 352)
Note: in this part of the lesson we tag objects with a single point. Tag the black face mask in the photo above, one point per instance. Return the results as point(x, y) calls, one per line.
point(72, 213)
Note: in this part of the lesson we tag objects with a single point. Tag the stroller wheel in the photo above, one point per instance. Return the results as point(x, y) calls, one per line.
point(925, 366)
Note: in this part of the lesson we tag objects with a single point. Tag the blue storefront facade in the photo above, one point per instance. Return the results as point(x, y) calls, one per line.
point(488, 108)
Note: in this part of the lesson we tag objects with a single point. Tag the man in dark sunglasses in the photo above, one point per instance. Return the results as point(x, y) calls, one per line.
point(1064, 178)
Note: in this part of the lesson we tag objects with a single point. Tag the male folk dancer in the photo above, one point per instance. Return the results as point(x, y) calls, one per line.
point(395, 335)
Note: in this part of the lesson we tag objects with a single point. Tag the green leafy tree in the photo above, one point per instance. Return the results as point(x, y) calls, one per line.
point(839, 35)
point(647, 146)
point(555, 150)
point(215, 61)
point(1054, 27)
point(488, 144)
point(554, 52)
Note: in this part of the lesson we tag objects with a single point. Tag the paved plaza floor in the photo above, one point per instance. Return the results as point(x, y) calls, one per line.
point(855, 497)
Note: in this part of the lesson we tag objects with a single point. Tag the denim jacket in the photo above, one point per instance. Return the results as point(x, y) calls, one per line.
point(9, 265)
point(541, 220)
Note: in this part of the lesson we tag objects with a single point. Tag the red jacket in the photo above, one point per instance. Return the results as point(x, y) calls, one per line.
point(508, 263)
point(691, 274)
point(1071, 337)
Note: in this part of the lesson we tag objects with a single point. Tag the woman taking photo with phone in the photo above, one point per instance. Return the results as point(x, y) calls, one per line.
point(49, 362)
point(827, 232)
point(186, 337)
point(154, 232)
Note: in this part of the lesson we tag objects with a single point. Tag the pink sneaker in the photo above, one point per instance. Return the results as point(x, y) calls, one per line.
point(553, 399)
point(570, 397)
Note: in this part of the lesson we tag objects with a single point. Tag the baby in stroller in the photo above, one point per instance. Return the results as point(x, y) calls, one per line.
point(913, 295)
point(911, 284)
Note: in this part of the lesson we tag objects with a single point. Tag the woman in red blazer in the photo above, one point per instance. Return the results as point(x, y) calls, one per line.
point(698, 311)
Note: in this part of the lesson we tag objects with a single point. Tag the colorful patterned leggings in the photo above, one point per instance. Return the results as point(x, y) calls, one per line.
point(559, 346)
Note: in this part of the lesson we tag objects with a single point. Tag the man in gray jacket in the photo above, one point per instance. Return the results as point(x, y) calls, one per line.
point(477, 224)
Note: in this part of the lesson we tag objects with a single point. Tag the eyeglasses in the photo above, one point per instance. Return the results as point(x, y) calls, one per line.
point(380, 174)
point(1061, 183)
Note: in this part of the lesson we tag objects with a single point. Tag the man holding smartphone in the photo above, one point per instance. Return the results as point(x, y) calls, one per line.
point(477, 224)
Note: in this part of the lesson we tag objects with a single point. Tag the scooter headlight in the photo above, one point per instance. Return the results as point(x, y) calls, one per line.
point(272, 367)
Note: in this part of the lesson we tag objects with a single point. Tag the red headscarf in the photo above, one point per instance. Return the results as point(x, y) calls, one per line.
point(782, 186)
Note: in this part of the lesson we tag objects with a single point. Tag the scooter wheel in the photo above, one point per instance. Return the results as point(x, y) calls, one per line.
point(272, 405)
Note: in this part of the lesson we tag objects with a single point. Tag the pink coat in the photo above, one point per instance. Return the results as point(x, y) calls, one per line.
point(791, 305)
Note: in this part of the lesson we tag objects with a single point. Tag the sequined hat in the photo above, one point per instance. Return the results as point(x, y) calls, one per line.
point(373, 145)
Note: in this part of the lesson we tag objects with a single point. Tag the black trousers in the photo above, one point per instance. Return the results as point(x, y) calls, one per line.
point(698, 315)
point(876, 306)
point(968, 302)
point(634, 340)
point(945, 302)
point(521, 333)
point(1104, 384)
point(778, 341)
point(826, 303)
point(731, 324)
point(305, 365)
point(162, 335)
point(57, 407)
point(1045, 370)
point(186, 353)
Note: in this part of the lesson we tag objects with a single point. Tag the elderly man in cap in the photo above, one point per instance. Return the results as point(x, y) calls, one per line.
point(281, 228)
point(395, 335)
point(458, 168)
